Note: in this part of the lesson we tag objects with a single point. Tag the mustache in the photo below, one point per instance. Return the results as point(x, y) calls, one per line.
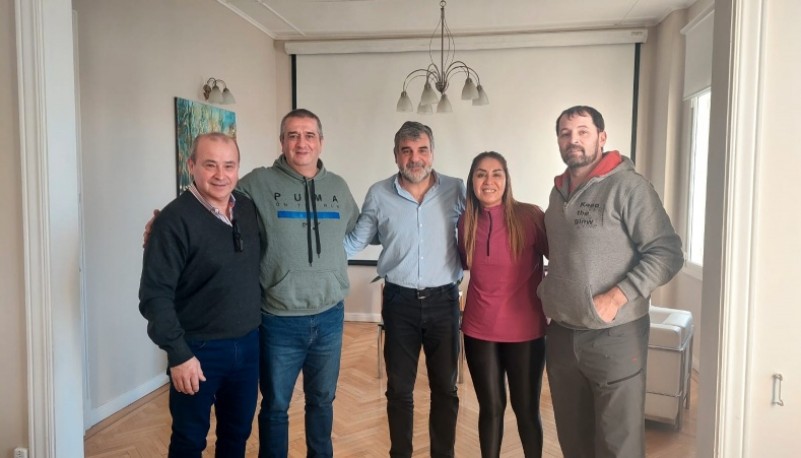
point(411, 165)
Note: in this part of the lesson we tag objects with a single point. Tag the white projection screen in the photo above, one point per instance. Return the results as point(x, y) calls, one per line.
point(355, 96)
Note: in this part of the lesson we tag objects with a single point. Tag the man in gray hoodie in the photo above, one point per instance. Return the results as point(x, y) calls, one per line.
point(611, 244)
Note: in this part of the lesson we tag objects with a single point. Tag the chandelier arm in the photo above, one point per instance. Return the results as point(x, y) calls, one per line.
point(457, 66)
point(436, 72)
point(415, 74)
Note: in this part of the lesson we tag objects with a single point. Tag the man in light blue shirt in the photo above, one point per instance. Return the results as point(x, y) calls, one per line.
point(413, 215)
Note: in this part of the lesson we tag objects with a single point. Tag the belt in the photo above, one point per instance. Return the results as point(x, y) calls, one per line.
point(423, 293)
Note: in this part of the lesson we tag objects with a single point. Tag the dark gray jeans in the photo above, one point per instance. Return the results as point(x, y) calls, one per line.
point(597, 380)
point(427, 320)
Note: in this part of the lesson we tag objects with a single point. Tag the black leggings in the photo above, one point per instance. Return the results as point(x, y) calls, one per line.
point(522, 364)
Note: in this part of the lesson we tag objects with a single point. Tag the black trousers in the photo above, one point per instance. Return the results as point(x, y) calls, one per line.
point(428, 320)
point(491, 364)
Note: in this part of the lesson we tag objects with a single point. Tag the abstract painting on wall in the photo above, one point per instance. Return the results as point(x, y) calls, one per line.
point(192, 119)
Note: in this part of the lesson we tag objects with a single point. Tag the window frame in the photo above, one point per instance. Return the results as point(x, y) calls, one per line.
point(695, 213)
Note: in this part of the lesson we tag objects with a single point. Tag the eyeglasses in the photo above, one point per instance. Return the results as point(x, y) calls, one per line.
point(239, 245)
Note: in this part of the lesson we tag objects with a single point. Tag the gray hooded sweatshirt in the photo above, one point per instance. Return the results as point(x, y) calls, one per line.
point(612, 230)
point(303, 225)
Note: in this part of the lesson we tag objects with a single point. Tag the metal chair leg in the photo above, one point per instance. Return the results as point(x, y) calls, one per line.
point(379, 351)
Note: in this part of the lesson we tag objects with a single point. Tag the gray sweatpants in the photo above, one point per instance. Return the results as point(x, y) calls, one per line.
point(597, 381)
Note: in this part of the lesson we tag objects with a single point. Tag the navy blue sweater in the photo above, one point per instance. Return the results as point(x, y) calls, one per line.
point(195, 285)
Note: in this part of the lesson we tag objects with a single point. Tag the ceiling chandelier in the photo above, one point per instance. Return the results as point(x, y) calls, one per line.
point(438, 76)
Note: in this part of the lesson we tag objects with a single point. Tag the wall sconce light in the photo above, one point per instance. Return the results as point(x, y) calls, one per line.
point(212, 92)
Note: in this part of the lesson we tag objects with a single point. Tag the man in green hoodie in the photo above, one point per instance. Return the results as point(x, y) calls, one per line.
point(305, 212)
point(611, 244)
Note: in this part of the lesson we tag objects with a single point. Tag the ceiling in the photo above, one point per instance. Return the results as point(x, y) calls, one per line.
point(341, 19)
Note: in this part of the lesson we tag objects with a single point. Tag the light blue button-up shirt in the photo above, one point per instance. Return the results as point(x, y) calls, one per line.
point(418, 240)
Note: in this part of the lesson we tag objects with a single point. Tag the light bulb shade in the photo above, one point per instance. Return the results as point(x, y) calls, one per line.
point(227, 97)
point(482, 97)
point(404, 102)
point(444, 105)
point(429, 97)
point(215, 96)
point(425, 109)
point(469, 91)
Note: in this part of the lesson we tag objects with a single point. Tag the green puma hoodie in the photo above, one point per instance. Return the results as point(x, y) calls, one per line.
point(303, 224)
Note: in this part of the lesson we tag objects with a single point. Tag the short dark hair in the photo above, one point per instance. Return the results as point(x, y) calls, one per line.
point(413, 130)
point(300, 113)
point(216, 136)
point(582, 110)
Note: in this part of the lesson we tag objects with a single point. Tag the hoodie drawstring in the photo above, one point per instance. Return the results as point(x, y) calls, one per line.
point(316, 223)
point(311, 208)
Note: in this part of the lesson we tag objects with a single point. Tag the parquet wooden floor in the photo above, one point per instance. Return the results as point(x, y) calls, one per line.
point(360, 425)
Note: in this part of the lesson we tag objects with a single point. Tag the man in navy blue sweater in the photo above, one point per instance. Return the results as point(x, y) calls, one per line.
point(200, 294)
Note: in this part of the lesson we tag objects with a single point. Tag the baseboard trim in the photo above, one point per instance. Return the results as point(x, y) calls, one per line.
point(363, 317)
point(118, 404)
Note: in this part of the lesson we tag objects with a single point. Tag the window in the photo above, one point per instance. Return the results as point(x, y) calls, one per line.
point(698, 35)
point(699, 152)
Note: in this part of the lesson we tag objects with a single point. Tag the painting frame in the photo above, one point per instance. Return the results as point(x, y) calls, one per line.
point(192, 119)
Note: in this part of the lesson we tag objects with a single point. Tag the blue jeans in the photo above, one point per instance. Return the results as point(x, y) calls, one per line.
point(289, 345)
point(429, 321)
point(232, 371)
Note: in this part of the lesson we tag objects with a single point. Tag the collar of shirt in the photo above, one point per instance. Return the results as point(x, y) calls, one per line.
point(214, 211)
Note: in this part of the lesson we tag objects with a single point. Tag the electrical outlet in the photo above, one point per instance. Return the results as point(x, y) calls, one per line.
point(20, 452)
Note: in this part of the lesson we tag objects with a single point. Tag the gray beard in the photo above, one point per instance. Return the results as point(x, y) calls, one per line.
point(409, 176)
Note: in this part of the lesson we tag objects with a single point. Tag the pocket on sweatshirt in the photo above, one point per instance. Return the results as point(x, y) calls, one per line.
point(569, 302)
point(307, 290)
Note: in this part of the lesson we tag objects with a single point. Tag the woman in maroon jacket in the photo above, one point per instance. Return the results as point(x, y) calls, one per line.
point(502, 242)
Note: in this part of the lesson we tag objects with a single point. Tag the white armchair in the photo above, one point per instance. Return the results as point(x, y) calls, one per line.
point(667, 383)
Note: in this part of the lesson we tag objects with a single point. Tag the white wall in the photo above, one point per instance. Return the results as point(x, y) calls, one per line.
point(134, 58)
point(662, 157)
point(13, 402)
point(363, 303)
point(663, 59)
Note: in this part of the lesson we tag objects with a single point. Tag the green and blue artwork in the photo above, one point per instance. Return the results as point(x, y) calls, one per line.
point(192, 119)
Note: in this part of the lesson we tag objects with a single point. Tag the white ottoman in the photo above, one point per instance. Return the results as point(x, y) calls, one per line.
point(667, 383)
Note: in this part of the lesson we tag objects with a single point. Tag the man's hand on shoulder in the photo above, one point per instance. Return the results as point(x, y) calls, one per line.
point(148, 227)
point(186, 377)
point(608, 304)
